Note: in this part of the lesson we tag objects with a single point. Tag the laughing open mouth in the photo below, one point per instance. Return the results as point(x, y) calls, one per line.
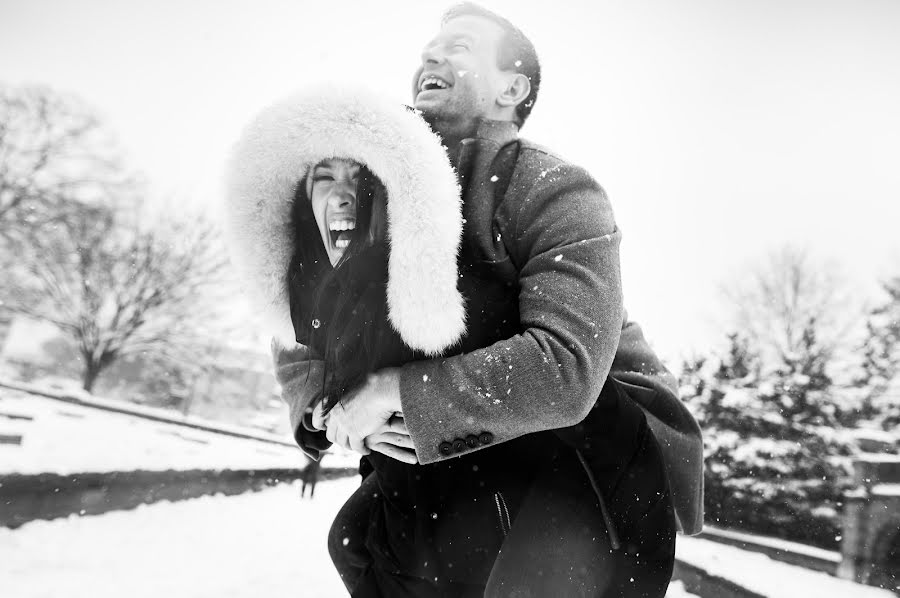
point(341, 232)
point(431, 82)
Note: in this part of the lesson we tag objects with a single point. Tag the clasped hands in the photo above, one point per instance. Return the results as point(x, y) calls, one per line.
point(370, 419)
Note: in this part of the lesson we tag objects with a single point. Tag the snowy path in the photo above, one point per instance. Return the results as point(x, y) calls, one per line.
point(261, 544)
point(255, 545)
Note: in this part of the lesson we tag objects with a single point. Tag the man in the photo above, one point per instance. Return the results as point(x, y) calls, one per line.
point(539, 267)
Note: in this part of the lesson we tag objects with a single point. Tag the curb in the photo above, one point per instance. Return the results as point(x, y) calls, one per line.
point(29, 497)
point(792, 553)
point(706, 585)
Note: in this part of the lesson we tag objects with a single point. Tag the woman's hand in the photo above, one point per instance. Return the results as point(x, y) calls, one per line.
point(393, 440)
point(364, 412)
point(319, 419)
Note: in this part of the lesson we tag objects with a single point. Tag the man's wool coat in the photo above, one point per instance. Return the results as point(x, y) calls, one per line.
point(538, 275)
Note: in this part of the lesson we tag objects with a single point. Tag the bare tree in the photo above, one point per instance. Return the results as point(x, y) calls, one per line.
point(53, 150)
point(122, 286)
point(787, 297)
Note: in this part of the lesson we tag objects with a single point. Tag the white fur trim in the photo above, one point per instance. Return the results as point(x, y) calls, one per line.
point(424, 207)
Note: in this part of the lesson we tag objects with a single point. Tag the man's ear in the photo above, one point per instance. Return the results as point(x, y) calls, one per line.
point(517, 89)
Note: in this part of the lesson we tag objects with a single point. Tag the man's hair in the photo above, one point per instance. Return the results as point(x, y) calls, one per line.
point(516, 52)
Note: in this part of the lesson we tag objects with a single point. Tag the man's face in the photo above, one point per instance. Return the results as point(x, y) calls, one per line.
point(459, 79)
point(333, 198)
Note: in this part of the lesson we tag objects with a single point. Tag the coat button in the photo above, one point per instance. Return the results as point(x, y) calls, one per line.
point(446, 448)
point(316, 323)
point(459, 445)
point(471, 441)
point(486, 438)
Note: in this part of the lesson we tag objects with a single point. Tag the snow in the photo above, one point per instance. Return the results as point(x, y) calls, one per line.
point(759, 452)
point(886, 490)
point(80, 396)
point(269, 543)
point(777, 543)
point(258, 544)
point(67, 438)
point(878, 458)
point(765, 576)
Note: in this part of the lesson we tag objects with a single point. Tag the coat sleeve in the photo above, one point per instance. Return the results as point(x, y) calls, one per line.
point(565, 245)
point(300, 373)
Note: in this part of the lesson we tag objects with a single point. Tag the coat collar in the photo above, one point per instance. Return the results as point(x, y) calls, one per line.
point(500, 132)
point(490, 136)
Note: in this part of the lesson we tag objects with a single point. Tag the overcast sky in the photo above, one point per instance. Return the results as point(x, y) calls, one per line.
point(720, 129)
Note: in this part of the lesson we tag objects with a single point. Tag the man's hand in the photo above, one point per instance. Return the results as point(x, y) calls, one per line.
point(392, 440)
point(365, 411)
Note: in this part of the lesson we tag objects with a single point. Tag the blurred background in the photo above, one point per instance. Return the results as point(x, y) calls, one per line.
point(750, 150)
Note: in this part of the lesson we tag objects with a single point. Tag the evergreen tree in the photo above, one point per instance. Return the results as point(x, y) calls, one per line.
point(880, 403)
point(776, 463)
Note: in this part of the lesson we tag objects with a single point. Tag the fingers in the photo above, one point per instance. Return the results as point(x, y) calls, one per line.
point(394, 452)
point(331, 433)
point(358, 445)
point(343, 438)
point(339, 432)
point(318, 417)
point(336, 434)
point(398, 425)
point(398, 440)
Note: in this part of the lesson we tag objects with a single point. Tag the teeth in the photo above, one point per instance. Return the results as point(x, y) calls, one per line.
point(342, 225)
point(433, 81)
point(342, 243)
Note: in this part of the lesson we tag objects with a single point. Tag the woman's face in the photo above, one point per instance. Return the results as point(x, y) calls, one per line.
point(333, 198)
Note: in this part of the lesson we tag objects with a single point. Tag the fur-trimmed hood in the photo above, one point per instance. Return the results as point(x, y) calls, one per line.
point(277, 149)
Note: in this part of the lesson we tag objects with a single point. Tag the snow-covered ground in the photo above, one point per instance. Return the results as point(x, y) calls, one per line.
point(259, 544)
point(264, 544)
point(760, 574)
point(67, 438)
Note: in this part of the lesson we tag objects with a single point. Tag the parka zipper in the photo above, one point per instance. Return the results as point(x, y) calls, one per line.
point(502, 513)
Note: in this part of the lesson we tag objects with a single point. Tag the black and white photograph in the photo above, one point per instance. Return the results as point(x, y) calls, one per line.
point(441, 299)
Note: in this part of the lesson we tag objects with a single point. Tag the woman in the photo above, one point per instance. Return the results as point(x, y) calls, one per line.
point(347, 212)
point(311, 231)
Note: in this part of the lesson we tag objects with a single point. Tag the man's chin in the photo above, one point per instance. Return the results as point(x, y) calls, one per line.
point(431, 110)
point(424, 103)
point(433, 99)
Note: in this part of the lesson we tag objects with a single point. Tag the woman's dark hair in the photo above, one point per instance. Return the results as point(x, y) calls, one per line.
point(341, 311)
